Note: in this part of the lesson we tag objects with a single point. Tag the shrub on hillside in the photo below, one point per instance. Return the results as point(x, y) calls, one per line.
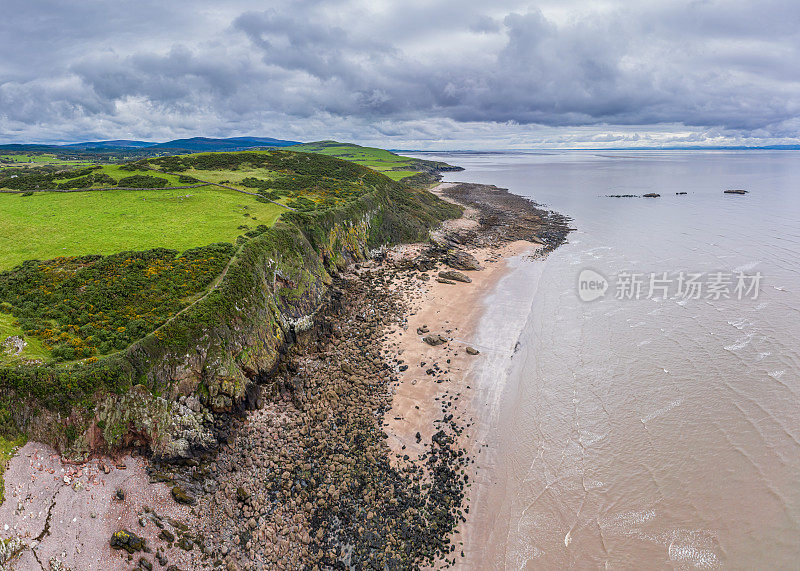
point(87, 181)
point(81, 306)
point(143, 181)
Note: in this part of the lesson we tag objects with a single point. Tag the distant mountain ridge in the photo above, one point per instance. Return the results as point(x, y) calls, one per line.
point(116, 144)
point(193, 144)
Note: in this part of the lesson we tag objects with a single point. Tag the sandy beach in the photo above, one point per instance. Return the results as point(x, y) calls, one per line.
point(470, 384)
point(487, 314)
point(419, 339)
point(454, 312)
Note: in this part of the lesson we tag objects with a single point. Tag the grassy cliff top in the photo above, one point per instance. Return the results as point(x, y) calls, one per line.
point(396, 167)
point(244, 190)
point(93, 258)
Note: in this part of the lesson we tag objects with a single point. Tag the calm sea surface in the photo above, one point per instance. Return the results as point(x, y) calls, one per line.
point(660, 432)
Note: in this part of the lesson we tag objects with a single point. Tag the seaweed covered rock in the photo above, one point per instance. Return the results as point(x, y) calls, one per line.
point(181, 496)
point(435, 340)
point(127, 541)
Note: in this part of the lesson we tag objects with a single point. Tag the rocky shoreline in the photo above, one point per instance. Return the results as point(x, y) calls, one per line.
point(313, 474)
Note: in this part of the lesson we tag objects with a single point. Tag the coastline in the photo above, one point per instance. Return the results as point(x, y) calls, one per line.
point(307, 474)
point(488, 314)
point(485, 532)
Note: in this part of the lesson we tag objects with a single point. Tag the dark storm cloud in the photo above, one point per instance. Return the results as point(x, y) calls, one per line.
point(712, 69)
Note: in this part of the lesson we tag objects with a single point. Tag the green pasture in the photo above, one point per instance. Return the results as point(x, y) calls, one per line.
point(48, 225)
point(380, 160)
point(39, 159)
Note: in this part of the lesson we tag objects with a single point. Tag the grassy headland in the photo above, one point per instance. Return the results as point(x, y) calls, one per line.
point(100, 263)
point(396, 167)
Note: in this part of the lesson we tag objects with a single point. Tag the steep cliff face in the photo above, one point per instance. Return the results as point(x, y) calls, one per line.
point(165, 390)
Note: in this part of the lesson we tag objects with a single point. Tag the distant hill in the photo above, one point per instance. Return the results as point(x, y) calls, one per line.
point(193, 144)
point(229, 144)
point(117, 144)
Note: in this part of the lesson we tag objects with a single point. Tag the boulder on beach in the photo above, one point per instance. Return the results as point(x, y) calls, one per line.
point(435, 339)
point(182, 496)
point(472, 351)
point(455, 276)
point(444, 281)
point(461, 260)
point(130, 542)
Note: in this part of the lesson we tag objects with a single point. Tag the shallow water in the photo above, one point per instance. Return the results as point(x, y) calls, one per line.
point(660, 432)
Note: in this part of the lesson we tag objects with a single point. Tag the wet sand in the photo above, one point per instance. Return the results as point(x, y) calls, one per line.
point(506, 308)
point(453, 311)
point(487, 314)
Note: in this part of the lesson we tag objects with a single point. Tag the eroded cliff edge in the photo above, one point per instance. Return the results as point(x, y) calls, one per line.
point(168, 391)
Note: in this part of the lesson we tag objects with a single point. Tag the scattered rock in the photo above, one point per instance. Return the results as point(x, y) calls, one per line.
point(455, 276)
point(182, 496)
point(444, 281)
point(736, 191)
point(472, 351)
point(651, 195)
point(435, 340)
point(14, 345)
point(128, 541)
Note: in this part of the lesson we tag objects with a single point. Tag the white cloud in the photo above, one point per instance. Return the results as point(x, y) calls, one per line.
point(417, 73)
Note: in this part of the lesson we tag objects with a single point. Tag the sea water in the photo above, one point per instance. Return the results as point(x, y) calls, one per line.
point(657, 430)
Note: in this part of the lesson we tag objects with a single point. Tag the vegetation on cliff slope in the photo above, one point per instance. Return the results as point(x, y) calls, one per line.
point(92, 305)
point(103, 318)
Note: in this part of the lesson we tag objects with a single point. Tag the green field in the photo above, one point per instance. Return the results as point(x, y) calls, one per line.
point(48, 225)
point(392, 165)
point(62, 321)
point(38, 159)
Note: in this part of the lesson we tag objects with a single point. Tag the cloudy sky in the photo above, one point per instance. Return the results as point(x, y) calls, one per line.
point(430, 74)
